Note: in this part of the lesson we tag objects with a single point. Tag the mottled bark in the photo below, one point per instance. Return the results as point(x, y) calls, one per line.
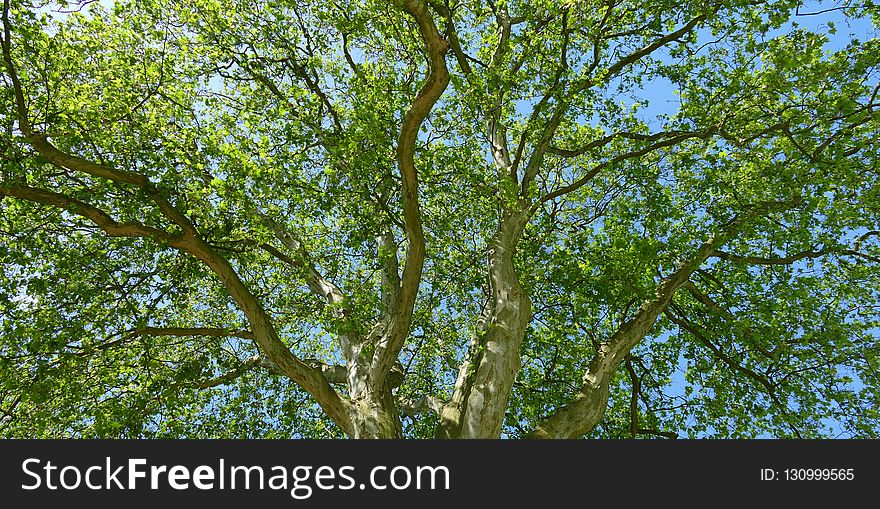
point(485, 381)
point(374, 415)
point(585, 411)
point(371, 377)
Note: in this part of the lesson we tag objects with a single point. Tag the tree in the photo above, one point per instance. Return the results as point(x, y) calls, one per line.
point(439, 219)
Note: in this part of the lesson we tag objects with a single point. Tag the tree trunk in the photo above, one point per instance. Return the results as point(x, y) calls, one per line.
point(371, 409)
point(375, 419)
point(480, 400)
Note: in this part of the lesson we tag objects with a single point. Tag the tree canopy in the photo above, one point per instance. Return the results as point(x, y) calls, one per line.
point(514, 218)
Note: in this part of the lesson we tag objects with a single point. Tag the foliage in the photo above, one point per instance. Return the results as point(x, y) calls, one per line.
point(273, 127)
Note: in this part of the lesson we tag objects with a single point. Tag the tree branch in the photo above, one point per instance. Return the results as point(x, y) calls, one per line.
point(265, 336)
point(246, 366)
point(390, 286)
point(41, 144)
point(759, 260)
point(605, 140)
point(677, 317)
point(416, 407)
point(549, 130)
point(706, 300)
point(635, 428)
point(191, 331)
point(319, 285)
point(386, 351)
point(586, 410)
point(100, 218)
point(646, 50)
point(20, 104)
point(335, 374)
point(620, 158)
point(788, 260)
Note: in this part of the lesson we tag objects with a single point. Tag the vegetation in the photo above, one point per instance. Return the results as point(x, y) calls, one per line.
point(514, 218)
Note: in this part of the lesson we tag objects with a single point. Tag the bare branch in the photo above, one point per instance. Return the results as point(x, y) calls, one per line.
point(605, 140)
point(788, 260)
point(238, 372)
point(334, 374)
